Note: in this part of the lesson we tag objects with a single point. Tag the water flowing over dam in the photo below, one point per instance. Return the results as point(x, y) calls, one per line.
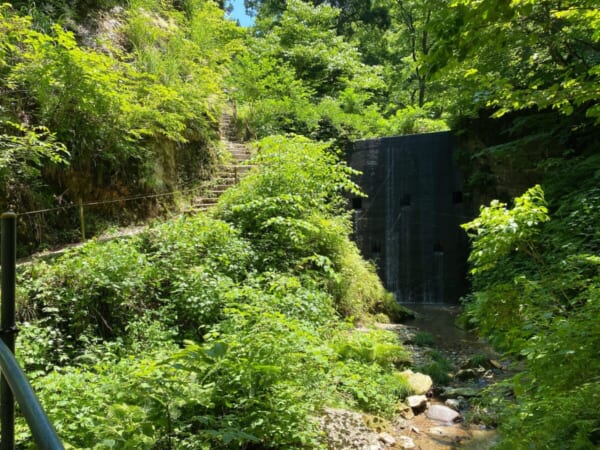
point(409, 225)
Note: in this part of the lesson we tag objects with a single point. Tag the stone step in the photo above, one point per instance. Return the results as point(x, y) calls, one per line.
point(238, 167)
point(222, 187)
point(239, 151)
point(239, 159)
point(195, 210)
point(234, 144)
point(237, 176)
point(213, 194)
point(233, 180)
point(216, 192)
point(229, 130)
point(225, 179)
point(235, 173)
point(240, 154)
point(229, 174)
point(204, 201)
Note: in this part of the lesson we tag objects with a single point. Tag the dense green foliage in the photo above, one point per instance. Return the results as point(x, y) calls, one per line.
point(531, 54)
point(535, 265)
point(461, 56)
point(536, 296)
point(216, 332)
point(301, 75)
point(128, 101)
point(118, 99)
point(226, 330)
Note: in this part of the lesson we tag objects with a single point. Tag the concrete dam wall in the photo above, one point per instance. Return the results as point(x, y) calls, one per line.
point(409, 225)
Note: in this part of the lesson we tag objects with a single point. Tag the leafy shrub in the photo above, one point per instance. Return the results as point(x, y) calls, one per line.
point(299, 77)
point(479, 360)
point(288, 210)
point(369, 387)
point(298, 170)
point(271, 99)
point(127, 403)
point(197, 241)
point(414, 120)
point(536, 298)
point(553, 418)
point(268, 347)
point(133, 112)
point(296, 297)
point(265, 370)
point(96, 288)
point(358, 289)
point(497, 231)
point(148, 334)
point(197, 299)
point(41, 347)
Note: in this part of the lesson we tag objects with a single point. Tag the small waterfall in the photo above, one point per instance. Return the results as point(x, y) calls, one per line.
point(438, 275)
point(391, 235)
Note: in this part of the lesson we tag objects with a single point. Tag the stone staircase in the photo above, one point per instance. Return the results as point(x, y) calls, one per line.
point(229, 173)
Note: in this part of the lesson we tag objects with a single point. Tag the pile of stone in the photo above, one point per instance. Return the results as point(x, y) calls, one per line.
point(348, 430)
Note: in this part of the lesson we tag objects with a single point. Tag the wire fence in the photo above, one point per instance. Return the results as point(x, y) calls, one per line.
point(79, 209)
point(112, 201)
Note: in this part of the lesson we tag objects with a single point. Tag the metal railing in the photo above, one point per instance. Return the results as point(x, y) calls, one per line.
point(13, 382)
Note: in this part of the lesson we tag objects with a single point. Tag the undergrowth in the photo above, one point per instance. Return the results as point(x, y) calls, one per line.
point(230, 331)
point(536, 273)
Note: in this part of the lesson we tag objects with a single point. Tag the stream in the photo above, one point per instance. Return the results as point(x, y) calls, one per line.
point(441, 416)
point(472, 365)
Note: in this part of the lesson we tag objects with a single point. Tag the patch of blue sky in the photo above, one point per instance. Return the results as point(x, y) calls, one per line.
point(239, 13)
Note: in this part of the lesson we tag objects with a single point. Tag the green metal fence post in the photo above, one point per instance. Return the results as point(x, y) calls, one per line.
point(8, 329)
point(43, 432)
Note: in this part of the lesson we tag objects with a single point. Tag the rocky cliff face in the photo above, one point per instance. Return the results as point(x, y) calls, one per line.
point(501, 158)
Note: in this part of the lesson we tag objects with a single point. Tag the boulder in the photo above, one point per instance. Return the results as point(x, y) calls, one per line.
point(464, 391)
point(418, 382)
point(387, 439)
point(417, 403)
point(453, 403)
point(406, 442)
point(347, 429)
point(466, 374)
point(442, 413)
point(400, 422)
point(405, 411)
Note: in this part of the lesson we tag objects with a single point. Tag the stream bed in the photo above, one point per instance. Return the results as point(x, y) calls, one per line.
point(467, 363)
point(440, 416)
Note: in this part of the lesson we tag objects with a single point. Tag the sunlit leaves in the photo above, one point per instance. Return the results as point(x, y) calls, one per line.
point(29, 147)
point(300, 76)
point(498, 231)
point(537, 298)
point(548, 51)
point(153, 86)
